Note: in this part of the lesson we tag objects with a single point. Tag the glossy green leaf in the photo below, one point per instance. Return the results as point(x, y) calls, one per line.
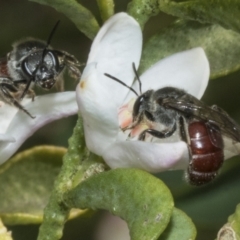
point(106, 8)
point(180, 227)
point(26, 183)
point(4, 234)
point(142, 200)
point(142, 10)
point(221, 46)
point(224, 13)
point(79, 15)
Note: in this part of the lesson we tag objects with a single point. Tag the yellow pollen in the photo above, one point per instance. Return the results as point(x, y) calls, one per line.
point(82, 84)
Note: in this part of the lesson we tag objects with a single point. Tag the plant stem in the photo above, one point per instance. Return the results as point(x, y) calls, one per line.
point(55, 213)
point(106, 8)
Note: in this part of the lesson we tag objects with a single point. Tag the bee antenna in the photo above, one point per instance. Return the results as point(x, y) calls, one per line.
point(52, 32)
point(50, 38)
point(137, 76)
point(121, 82)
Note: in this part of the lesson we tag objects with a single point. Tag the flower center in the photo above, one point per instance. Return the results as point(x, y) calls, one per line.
point(125, 120)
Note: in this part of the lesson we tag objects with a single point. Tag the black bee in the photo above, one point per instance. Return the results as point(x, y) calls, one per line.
point(33, 61)
point(205, 129)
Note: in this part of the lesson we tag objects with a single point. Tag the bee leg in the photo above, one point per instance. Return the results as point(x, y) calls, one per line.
point(182, 132)
point(26, 90)
point(71, 63)
point(6, 89)
point(31, 94)
point(19, 86)
point(156, 133)
point(185, 138)
point(74, 71)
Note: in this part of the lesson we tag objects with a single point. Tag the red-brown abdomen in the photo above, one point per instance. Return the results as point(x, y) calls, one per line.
point(206, 145)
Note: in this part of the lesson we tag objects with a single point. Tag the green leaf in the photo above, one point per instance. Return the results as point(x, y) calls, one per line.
point(142, 10)
point(231, 230)
point(224, 13)
point(79, 15)
point(234, 220)
point(221, 46)
point(180, 227)
point(210, 205)
point(4, 234)
point(26, 183)
point(106, 8)
point(142, 200)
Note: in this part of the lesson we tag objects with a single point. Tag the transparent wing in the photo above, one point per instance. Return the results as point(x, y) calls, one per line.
point(192, 108)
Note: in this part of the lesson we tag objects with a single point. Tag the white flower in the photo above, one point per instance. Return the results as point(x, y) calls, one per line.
point(101, 99)
point(16, 126)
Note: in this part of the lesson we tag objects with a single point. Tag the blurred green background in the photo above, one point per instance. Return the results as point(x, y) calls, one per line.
point(208, 206)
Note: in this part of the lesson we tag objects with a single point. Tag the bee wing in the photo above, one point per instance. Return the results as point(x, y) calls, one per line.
point(192, 108)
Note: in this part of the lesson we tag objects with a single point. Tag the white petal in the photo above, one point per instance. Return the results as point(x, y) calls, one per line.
point(100, 118)
point(7, 112)
point(152, 157)
point(117, 45)
point(188, 70)
point(46, 109)
point(231, 148)
point(6, 138)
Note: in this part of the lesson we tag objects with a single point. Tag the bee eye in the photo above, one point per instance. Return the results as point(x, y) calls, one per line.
point(149, 116)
